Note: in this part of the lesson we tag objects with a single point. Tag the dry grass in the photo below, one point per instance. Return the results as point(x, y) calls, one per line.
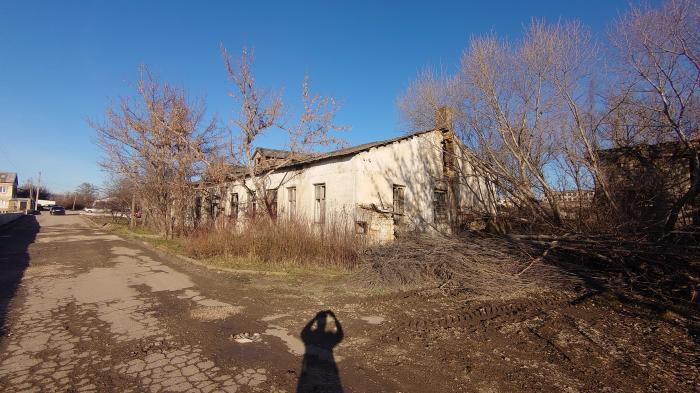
point(281, 243)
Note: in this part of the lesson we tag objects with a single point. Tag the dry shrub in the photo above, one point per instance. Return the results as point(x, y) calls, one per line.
point(477, 264)
point(282, 242)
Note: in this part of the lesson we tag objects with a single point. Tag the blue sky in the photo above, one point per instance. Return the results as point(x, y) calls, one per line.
point(61, 61)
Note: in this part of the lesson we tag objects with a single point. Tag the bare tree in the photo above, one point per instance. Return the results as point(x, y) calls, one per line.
point(161, 142)
point(658, 68)
point(263, 112)
point(527, 112)
point(85, 194)
point(120, 198)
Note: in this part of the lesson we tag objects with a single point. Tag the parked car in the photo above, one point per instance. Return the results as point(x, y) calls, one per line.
point(57, 211)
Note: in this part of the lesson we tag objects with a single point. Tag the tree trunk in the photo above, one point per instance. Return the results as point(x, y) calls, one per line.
point(688, 197)
point(132, 219)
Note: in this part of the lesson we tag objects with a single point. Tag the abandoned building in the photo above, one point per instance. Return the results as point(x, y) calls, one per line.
point(647, 179)
point(417, 182)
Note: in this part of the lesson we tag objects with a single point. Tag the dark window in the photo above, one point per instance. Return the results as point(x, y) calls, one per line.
point(234, 205)
point(399, 199)
point(272, 202)
point(253, 204)
point(440, 206)
point(319, 203)
point(292, 200)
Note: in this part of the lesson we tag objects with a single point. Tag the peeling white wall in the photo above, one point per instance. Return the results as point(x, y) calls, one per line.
point(368, 178)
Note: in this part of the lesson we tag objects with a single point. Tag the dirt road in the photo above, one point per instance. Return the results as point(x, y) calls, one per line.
point(87, 311)
point(84, 310)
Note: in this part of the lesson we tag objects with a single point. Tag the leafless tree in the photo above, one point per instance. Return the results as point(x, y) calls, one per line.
point(658, 64)
point(120, 198)
point(161, 142)
point(527, 111)
point(262, 112)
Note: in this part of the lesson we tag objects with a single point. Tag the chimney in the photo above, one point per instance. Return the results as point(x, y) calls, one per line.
point(444, 118)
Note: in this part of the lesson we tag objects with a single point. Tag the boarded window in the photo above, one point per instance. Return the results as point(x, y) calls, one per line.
point(399, 199)
point(319, 203)
point(271, 201)
point(292, 201)
point(234, 205)
point(440, 206)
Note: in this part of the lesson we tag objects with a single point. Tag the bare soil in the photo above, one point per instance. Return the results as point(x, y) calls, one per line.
point(529, 334)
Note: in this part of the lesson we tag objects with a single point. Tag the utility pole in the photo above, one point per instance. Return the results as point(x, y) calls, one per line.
point(38, 189)
point(31, 196)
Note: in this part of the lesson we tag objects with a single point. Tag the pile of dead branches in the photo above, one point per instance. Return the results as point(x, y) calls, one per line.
point(478, 265)
point(665, 274)
point(657, 275)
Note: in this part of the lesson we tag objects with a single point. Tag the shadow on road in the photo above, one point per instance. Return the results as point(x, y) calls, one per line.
point(15, 239)
point(319, 373)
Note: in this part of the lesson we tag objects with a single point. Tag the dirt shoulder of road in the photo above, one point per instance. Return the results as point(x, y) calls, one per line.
point(554, 334)
point(174, 248)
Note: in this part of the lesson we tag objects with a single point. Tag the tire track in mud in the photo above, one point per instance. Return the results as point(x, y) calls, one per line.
point(485, 316)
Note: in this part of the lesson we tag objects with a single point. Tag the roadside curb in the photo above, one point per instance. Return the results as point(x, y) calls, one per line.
point(185, 259)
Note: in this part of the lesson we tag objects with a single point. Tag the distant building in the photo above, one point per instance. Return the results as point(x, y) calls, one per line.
point(573, 202)
point(646, 180)
point(45, 203)
point(9, 202)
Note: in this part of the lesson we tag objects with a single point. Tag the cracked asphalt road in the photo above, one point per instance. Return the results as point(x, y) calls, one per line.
point(87, 311)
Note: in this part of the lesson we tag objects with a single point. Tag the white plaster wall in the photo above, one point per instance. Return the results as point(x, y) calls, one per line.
point(337, 174)
point(474, 191)
point(415, 163)
point(368, 178)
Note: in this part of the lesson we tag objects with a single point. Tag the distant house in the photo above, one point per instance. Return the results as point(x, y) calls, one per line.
point(417, 182)
point(9, 202)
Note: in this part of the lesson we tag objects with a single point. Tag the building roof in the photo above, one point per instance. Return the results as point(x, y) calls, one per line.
point(8, 177)
point(282, 154)
point(302, 159)
point(350, 151)
point(662, 148)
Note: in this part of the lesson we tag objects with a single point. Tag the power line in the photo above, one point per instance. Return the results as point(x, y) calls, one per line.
point(7, 157)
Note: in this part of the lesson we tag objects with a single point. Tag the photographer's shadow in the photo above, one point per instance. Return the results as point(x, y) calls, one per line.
point(319, 373)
